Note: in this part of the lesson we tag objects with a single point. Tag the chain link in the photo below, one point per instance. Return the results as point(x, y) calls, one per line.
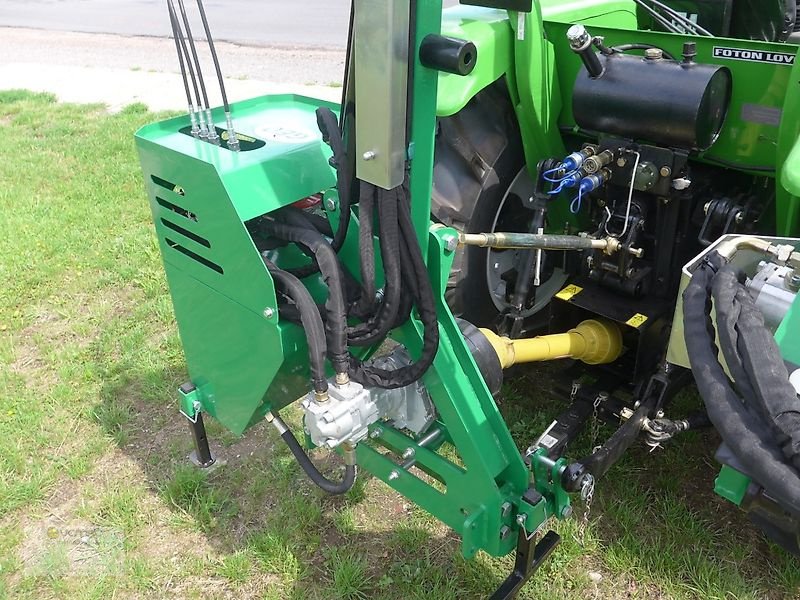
point(587, 489)
point(587, 495)
point(595, 426)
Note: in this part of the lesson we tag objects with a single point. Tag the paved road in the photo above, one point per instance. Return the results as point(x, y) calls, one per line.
point(64, 47)
point(321, 23)
point(318, 23)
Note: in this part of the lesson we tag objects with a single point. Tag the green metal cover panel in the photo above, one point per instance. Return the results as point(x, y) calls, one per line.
point(788, 203)
point(491, 33)
point(788, 334)
point(238, 355)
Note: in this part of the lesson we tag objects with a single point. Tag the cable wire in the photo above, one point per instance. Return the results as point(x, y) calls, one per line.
point(182, 64)
point(199, 105)
point(233, 141)
point(630, 200)
point(575, 205)
point(212, 132)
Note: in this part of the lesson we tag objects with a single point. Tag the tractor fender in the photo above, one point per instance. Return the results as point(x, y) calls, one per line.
point(489, 29)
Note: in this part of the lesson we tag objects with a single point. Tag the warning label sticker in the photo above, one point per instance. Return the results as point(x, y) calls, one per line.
point(776, 58)
point(569, 291)
point(637, 320)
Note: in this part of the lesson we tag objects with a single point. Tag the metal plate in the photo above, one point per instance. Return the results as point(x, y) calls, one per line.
point(381, 65)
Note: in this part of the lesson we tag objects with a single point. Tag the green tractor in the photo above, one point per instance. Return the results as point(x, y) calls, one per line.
point(613, 182)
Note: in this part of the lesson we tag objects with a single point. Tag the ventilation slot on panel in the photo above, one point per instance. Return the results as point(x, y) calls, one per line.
point(176, 209)
point(172, 187)
point(186, 233)
point(194, 256)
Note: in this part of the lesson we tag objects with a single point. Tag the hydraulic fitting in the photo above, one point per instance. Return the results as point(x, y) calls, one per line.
point(575, 160)
point(594, 163)
point(349, 453)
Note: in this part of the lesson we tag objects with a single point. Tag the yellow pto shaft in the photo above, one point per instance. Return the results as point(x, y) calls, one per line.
point(593, 342)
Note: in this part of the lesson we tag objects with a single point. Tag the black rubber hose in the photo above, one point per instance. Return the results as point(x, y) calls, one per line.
point(750, 347)
point(626, 47)
point(738, 425)
point(192, 47)
point(316, 221)
point(181, 62)
point(316, 224)
point(332, 135)
point(336, 309)
point(415, 270)
point(214, 58)
point(313, 473)
point(723, 291)
point(311, 321)
point(379, 325)
point(366, 249)
point(178, 32)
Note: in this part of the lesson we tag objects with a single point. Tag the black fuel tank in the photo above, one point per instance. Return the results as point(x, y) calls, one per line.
point(674, 104)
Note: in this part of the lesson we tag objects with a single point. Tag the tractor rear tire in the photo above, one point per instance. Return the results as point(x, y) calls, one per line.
point(479, 175)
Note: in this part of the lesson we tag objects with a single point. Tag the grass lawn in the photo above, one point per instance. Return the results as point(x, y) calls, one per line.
point(97, 499)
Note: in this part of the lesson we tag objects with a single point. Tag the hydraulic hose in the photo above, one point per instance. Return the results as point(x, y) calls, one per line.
point(311, 321)
point(182, 65)
point(184, 55)
point(233, 141)
point(193, 48)
point(336, 323)
point(332, 135)
point(331, 487)
point(417, 276)
point(214, 57)
point(755, 361)
point(366, 249)
point(376, 327)
point(735, 421)
point(212, 132)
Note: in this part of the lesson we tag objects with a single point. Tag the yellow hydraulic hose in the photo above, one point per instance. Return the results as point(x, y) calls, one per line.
point(593, 342)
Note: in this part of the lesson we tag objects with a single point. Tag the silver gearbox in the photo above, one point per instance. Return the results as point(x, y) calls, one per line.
point(344, 417)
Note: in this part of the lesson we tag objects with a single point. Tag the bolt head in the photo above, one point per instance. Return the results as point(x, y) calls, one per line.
point(394, 475)
point(451, 243)
point(368, 155)
point(408, 453)
point(566, 512)
point(375, 433)
point(496, 266)
point(269, 312)
point(665, 171)
point(621, 162)
point(330, 204)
